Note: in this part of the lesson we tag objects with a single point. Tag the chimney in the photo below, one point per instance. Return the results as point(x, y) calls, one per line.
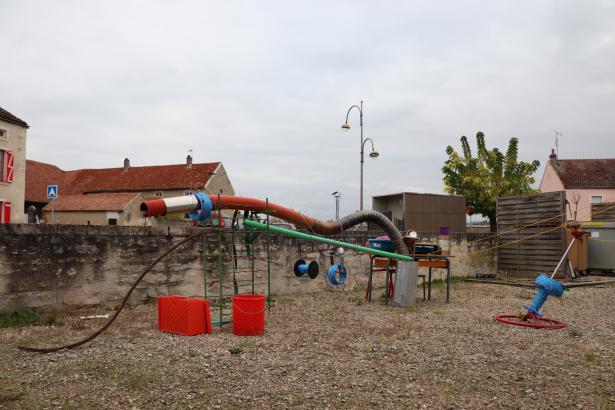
point(553, 155)
point(126, 164)
point(189, 161)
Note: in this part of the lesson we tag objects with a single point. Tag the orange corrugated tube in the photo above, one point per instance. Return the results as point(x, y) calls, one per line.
point(155, 208)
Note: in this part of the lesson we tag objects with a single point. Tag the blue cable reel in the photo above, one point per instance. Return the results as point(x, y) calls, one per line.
point(337, 274)
point(301, 267)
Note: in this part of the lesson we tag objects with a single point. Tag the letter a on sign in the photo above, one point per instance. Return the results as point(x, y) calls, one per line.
point(52, 191)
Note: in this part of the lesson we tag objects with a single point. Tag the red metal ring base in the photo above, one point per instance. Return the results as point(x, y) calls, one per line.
point(530, 320)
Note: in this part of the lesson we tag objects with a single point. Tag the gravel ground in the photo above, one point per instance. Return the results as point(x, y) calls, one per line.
point(331, 350)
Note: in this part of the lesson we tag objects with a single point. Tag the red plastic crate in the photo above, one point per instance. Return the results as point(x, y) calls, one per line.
point(183, 316)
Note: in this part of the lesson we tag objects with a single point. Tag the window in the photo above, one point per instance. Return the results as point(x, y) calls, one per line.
point(596, 199)
point(4, 135)
point(112, 221)
point(158, 194)
point(6, 166)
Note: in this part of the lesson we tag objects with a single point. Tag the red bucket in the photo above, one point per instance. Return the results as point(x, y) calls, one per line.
point(249, 315)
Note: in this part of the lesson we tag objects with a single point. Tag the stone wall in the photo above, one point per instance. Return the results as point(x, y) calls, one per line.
point(60, 267)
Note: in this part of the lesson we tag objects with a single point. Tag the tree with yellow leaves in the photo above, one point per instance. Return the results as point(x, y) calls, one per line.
point(489, 175)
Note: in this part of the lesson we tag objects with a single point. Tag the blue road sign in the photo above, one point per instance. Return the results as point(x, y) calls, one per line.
point(52, 191)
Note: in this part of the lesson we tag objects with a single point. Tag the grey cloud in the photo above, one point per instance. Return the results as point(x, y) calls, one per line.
point(264, 87)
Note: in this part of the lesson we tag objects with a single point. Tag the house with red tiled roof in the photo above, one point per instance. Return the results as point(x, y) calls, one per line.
point(96, 209)
point(586, 182)
point(92, 196)
point(12, 167)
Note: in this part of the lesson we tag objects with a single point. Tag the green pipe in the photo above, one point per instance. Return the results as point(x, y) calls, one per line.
point(301, 235)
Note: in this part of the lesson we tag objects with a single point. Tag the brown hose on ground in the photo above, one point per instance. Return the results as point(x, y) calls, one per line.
point(117, 312)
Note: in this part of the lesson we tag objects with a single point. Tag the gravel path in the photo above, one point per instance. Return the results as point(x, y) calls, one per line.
point(331, 350)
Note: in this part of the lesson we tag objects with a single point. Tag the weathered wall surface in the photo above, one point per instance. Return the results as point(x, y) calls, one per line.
point(59, 267)
point(14, 140)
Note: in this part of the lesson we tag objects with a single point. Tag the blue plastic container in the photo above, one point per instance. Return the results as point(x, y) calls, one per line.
point(382, 245)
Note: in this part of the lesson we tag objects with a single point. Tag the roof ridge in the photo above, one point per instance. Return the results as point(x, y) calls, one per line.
point(8, 117)
point(146, 166)
point(584, 159)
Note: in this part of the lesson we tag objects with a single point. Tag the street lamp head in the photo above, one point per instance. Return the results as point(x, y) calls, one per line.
point(345, 127)
point(374, 154)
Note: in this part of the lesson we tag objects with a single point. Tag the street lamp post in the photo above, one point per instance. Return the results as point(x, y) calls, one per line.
point(337, 196)
point(372, 154)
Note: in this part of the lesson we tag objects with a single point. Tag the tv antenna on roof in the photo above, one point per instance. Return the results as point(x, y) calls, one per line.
point(557, 134)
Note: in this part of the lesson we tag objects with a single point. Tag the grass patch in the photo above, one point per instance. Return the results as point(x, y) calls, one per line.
point(411, 309)
point(591, 356)
point(138, 381)
point(28, 317)
point(575, 333)
point(487, 321)
point(524, 294)
point(438, 312)
point(440, 283)
point(499, 296)
point(245, 343)
point(21, 317)
point(235, 350)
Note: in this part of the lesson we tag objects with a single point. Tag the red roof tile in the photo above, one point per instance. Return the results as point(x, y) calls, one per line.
point(93, 202)
point(140, 178)
point(82, 181)
point(38, 176)
point(586, 173)
point(8, 117)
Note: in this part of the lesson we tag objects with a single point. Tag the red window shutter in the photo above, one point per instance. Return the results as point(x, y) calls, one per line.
point(7, 212)
point(9, 166)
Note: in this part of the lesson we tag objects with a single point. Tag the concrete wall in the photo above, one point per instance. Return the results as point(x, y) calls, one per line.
point(15, 191)
point(59, 267)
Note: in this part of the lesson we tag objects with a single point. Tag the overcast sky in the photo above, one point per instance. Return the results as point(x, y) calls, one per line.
point(264, 87)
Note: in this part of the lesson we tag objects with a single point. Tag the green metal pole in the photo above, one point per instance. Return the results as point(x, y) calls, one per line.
point(205, 267)
point(250, 253)
point(301, 235)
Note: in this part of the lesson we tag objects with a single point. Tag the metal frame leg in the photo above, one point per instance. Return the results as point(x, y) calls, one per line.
point(386, 283)
point(369, 282)
point(448, 282)
point(429, 285)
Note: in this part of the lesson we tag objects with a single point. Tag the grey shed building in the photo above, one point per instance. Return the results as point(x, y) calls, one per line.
point(423, 212)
